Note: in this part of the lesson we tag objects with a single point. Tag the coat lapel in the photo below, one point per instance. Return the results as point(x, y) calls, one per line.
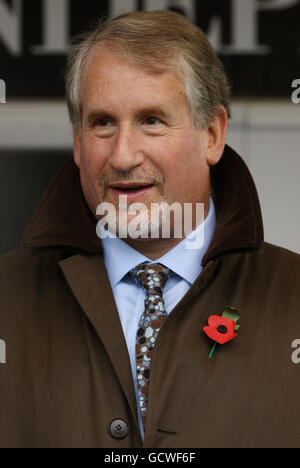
point(87, 278)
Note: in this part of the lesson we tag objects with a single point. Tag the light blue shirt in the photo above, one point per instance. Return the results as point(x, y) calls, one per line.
point(185, 266)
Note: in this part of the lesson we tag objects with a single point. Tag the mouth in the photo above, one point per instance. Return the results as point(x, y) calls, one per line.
point(132, 191)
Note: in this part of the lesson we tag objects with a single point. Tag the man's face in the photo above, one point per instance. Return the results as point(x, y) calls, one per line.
point(136, 128)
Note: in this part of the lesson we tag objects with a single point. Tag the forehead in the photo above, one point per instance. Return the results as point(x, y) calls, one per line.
point(112, 79)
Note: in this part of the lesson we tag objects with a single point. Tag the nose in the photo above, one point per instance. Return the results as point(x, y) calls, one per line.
point(126, 151)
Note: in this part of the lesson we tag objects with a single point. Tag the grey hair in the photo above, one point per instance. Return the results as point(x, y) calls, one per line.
point(156, 41)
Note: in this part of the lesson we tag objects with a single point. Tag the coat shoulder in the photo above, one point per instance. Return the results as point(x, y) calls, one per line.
point(30, 259)
point(274, 271)
point(280, 254)
point(15, 264)
point(14, 256)
point(275, 262)
point(271, 276)
point(21, 263)
point(23, 271)
point(282, 261)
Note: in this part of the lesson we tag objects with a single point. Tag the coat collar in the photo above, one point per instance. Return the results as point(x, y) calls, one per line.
point(63, 218)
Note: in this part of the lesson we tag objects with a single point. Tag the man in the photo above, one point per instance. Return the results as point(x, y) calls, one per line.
point(105, 337)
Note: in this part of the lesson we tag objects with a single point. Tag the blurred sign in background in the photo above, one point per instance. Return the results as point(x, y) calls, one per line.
point(258, 42)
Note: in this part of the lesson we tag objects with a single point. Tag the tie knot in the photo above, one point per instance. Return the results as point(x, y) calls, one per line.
point(152, 277)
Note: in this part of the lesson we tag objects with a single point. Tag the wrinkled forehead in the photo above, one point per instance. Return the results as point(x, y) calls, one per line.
point(109, 76)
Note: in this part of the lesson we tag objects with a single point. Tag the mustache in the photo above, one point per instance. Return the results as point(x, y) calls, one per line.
point(121, 177)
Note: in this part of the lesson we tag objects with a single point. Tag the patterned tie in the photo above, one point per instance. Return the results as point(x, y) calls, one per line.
point(152, 278)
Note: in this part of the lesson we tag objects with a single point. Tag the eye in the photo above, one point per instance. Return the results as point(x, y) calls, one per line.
point(103, 123)
point(152, 121)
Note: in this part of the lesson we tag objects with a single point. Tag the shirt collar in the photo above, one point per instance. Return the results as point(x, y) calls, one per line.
point(119, 257)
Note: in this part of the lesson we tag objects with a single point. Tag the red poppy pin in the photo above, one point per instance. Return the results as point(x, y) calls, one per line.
point(222, 328)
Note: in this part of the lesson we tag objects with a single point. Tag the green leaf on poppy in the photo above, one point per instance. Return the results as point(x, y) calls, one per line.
point(233, 314)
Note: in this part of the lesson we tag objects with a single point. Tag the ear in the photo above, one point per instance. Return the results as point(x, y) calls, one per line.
point(76, 147)
point(217, 137)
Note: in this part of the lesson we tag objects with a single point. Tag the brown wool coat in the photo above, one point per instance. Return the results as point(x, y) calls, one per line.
point(68, 374)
